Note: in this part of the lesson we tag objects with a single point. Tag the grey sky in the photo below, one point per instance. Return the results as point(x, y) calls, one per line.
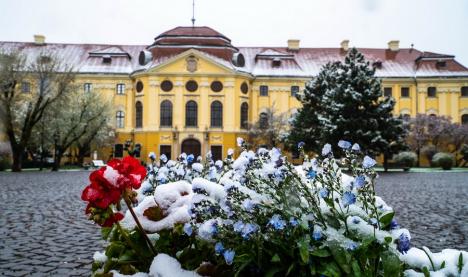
point(432, 25)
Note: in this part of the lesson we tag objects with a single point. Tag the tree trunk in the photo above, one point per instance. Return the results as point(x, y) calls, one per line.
point(385, 162)
point(57, 160)
point(418, 153)
point(17, 159)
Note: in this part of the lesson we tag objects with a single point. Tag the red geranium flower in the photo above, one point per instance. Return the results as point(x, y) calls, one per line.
point(131, 172)
point(112, 219)
point(100, 196)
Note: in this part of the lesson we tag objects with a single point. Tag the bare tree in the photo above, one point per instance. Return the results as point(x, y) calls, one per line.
point(269, 129)
point(100, 134)
point(21, 110)
point(76, 119)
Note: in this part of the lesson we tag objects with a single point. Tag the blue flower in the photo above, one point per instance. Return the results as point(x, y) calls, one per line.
point(238, 226)
point(317, 234)
point(190, 158)
point(323, 193)
point(356, 220)
point(348, 198)
point(188, 229)
point(248, 205)
point(344, 144)
point(311, 174)
point(293, 222)
point(368, 162)
point(359, 181)
point(403, 243)
point(394, 224)
point(300, 144)
point(326, 149)
point(356, 147)
point(351, 246)
point(219, 248)
point(277, 222)
point(229, 256)
point(373, 222)
point(248, 230)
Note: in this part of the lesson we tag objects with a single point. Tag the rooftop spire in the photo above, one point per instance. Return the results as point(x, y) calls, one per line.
point(193, 13)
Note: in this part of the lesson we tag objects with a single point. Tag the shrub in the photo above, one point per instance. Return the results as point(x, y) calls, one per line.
point(406, 159)
point(257, 215)
point(429, 151)
point(444, 160)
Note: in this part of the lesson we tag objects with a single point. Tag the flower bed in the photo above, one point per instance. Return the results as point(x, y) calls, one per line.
point(257, 215)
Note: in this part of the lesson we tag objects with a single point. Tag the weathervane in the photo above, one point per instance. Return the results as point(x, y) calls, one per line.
point(193, 13)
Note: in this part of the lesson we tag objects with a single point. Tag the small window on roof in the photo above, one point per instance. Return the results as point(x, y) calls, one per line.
point(441, 64)
point(107, 59)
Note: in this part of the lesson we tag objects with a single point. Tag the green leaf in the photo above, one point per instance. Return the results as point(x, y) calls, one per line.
point(426, 272)
point(386, 218)
point(460, 263)
point(272, 271)
point(331, 269)
point(115, 249)
point(342, 257)
point(154, 213)
point(291, 267)
point(390, 263)
point(442, 265)
point(105, 232)
point(127, 256)
point(388, 240)
point(322, 252)
point(275, 259)
point(304, 250)
point(356, 269)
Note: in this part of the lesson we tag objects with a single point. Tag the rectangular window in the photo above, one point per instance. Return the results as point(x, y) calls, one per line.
point(217, 152)
point(25, 87)
point(405, 93)
point(464, 91)
point(294, 90)
point(166, 150)
point(387, 92)
point(431, 92)
point(88, 87)
point(263, 90)
point(120, 88)
point(118, 150)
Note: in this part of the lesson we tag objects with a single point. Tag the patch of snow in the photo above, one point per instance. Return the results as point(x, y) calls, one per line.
point(164, 265)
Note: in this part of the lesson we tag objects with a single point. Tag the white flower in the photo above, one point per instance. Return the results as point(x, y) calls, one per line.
point(356, 147)
point(240, 141)
point(152, 156)
point(326, 149)
point(230, 152)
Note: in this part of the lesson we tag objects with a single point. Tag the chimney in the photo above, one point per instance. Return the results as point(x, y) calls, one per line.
point(345, 45)
point(39, 39)
point(394, 45)
point(293, 44)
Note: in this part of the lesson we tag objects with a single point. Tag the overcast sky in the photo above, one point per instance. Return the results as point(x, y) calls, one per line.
point(431, 25)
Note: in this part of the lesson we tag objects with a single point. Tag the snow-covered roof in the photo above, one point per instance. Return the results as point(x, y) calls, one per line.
point(259, 61)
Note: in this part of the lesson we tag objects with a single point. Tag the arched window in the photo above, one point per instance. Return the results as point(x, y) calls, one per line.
point(166, 113)
point(464, 119)
point(216, 114)
point(120, 119)
point(263, 120)
point(191, 114)
point(244, 116)
point(138, 115)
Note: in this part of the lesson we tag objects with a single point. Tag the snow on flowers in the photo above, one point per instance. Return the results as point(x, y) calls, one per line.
point(256, 215)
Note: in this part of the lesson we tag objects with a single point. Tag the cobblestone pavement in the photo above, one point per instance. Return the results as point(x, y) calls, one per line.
point(433, 206)
point(43, 231)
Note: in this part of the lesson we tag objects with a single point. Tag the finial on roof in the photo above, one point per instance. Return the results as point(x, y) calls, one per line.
point(193, 13)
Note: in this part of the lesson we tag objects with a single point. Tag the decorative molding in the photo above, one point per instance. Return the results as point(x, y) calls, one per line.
point(204, 84)
point(405, 111)
point(229, 84)
point(432, 111)
point(153, 84)
point(178, 83)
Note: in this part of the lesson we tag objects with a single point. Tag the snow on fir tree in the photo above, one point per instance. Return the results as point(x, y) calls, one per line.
point(345, 102)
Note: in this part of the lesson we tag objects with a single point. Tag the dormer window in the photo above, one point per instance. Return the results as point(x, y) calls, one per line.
point(276, 62)
point(377, 64)
point(106, 59)
point(441, 64)
point(45, 59)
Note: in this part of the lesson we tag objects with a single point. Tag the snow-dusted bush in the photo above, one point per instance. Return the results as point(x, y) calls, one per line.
point(257, 215)
point(406, 159)
point(444, 160)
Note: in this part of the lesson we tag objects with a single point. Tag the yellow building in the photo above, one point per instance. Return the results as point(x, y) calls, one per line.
point(191, 90)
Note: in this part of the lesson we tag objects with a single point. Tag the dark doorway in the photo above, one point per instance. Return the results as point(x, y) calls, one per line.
point(191, 146)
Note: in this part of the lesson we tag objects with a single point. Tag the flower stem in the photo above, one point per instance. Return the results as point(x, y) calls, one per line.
point(142, 231)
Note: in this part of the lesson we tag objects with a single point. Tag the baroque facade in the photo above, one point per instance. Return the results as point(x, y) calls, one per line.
point(192, 91)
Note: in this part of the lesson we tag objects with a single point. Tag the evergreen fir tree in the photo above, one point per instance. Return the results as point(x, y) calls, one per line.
point(345, 102)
